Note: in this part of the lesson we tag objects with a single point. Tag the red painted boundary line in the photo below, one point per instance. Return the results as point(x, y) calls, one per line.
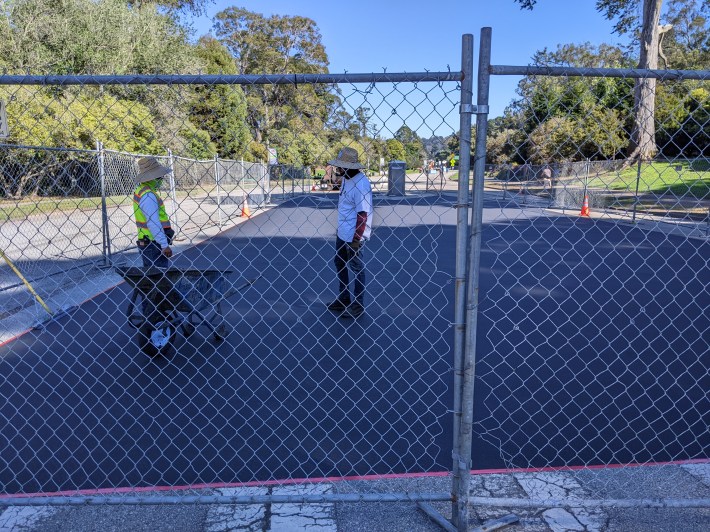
point(391, 476)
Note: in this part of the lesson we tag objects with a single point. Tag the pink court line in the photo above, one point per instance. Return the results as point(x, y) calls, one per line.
point(320, 480)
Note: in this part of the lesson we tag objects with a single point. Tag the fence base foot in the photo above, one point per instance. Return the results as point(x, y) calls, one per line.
point(496, 524)
point(435, 516)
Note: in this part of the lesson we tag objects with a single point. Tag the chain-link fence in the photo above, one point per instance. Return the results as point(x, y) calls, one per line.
point(591, 284)
point(229, 369)
point(561, 321)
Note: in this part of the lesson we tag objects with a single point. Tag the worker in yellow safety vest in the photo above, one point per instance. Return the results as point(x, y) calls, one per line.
point(154, 232)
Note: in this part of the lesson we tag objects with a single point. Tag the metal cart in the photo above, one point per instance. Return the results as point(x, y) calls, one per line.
point(165, 301)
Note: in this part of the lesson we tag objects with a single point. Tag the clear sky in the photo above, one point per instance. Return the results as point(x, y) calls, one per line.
point(416, 35)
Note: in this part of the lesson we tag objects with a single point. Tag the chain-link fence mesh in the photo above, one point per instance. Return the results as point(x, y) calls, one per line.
point(229, 368)
point(593, 313)
point(592, 347)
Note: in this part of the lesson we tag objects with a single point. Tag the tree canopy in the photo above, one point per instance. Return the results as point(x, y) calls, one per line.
point(686, 40)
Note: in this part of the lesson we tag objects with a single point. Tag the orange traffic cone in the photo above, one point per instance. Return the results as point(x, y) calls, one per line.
point(245, 208)
point(585, 207)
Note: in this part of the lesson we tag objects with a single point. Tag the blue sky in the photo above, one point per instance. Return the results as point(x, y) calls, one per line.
point(411, 36)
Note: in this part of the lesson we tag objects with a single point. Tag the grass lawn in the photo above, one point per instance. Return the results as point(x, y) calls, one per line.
point(679, 179)
point(18, 210)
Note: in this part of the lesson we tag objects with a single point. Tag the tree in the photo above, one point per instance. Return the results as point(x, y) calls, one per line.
point(413, 146)
point(277, 44)
point(221, 110)
point(642, 143)
point(687, 44)
point(89, 37)
point(196, 7)
point(394, 150)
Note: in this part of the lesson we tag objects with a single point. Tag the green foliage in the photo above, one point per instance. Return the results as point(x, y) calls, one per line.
point(38, 117)
point(277, 44)
point(414, 153)
point(101, 37)
point(198, 143)
point(395, 150)
point(220, 110)
point(91, 36)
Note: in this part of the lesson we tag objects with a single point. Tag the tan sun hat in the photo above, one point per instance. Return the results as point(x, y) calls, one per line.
point(347, 158)
point(149, 168)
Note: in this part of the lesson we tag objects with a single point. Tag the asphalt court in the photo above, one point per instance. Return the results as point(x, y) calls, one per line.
point(294, 392)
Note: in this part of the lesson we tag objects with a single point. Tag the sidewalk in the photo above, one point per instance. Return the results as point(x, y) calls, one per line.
point(672, 483)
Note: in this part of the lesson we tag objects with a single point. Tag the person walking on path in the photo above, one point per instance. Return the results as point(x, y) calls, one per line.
point(354, 229)
point(547, 180)
point(154, 231)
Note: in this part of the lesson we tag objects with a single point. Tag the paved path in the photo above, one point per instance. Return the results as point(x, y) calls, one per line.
point(671, 482)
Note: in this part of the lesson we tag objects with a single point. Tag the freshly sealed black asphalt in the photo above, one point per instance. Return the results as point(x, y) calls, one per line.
point(297, 392)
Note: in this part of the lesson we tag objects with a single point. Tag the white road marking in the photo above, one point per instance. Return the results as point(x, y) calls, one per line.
point(561, 486)
point(16, 518)
point(273, 517)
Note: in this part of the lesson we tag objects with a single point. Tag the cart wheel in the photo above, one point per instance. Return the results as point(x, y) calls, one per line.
point(156, 342)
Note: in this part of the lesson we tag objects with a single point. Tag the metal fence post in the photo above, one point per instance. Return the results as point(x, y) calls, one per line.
point(219, 193)
point(106, 251)
point(636, 192)
point(173, 195)
point(474, 272)
point(461, 259)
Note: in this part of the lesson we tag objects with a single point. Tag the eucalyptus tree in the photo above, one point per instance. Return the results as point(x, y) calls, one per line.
point(221, 110)
point(670, 116)
point(278, 45)
point(642, 143)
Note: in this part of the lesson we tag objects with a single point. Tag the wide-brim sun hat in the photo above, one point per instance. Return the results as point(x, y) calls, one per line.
point(149, 168)
point(348, 159)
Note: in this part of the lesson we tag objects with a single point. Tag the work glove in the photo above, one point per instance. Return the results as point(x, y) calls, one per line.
point(355, 245)
point(169, 234)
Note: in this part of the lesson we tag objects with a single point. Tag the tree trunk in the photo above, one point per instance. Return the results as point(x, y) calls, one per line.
point(643, 135)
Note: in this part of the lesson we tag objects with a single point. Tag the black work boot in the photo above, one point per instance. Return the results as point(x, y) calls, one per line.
point(353, 311)
point(338, 305)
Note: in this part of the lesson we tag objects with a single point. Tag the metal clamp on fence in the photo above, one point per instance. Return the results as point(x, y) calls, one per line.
point(473, 109)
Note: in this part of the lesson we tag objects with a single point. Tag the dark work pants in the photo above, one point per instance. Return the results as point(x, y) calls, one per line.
point(152, 255)
point(156, 309)
point(346, 258)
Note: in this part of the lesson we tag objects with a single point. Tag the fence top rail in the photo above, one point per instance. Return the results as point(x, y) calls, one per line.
point(218, 79)
point(506, 70)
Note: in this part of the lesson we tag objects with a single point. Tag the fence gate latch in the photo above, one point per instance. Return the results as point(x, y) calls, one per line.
point(473, 109)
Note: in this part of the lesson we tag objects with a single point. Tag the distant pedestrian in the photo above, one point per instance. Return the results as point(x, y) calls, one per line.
point(155, 235)
point(354, 229)
point(547, 180)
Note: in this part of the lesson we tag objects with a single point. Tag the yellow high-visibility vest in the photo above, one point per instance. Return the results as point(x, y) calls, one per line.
point(141, 219)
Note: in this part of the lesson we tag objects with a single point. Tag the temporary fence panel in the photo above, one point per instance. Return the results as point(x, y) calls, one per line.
point(593, 332)
point(287, 391)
